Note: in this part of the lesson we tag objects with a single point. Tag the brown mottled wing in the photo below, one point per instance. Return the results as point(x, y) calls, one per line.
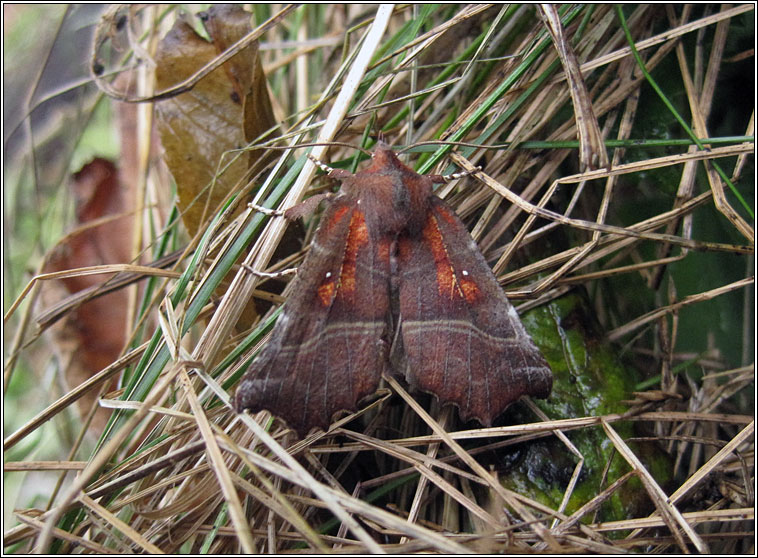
point(329, 345)
point(462, 340)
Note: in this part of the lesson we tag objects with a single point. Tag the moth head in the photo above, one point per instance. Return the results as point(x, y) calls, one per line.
point(384, 157)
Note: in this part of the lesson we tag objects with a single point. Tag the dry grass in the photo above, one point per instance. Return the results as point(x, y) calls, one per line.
point(176, 470)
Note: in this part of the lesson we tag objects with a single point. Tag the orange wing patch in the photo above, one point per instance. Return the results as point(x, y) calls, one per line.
point(326, 291)
point(357, 237)
point(470, 291)
point(344, 284)
point(448, 284)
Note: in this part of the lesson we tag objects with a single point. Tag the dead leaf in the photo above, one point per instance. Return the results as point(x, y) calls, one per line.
point(93, 335)
point(226, 110)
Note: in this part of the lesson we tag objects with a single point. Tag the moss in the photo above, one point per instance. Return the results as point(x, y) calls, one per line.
point(589, 380)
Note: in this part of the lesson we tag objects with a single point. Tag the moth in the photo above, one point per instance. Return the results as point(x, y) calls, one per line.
point(393, 283)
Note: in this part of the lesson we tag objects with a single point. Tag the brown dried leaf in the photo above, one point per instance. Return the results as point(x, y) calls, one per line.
point(93, 336)
point(225, 110)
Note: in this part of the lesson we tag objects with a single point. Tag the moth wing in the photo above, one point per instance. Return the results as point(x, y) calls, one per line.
point(462, 339)
point(328, 347)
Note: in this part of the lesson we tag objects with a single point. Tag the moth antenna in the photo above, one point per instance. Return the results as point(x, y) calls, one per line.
point(444, 178)
point(266, 210)
point(323, 166)
point(270, 275)
point(457, 175)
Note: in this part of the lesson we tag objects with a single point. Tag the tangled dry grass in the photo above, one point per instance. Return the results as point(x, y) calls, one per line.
point(175, 469)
